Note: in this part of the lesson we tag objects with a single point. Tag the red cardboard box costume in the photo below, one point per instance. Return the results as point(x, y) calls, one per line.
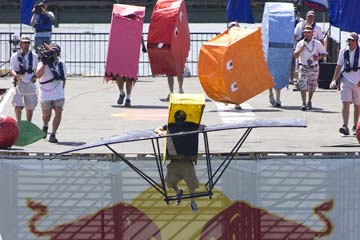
point(124, 41)
point(168, 38)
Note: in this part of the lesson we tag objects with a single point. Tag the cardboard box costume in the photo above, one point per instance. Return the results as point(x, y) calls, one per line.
point(168, 40)
point(124, 42)
point(232, 67)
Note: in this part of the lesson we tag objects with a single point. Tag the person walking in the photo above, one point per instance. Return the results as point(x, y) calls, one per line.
point(309, 51)
point(170, 80)
point(51, 72)
point(348, 71)
point(23, 64)
point(42, 21)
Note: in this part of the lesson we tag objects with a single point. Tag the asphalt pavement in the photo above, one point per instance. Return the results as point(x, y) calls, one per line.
point(91, 113)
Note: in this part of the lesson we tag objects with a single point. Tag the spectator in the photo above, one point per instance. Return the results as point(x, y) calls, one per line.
point(52, 73)
point(42, 21)
point(309, 21)
point(298, 19)
point(23, 65)
point(347, 70)
point(309, 51)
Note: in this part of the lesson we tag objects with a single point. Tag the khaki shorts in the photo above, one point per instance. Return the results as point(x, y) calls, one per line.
point(181, 169)
point(48, 105)
point(25, 96)
point(349, 92)
point(308, 78)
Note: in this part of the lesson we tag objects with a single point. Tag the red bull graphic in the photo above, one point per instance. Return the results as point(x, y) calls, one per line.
point(243, 221)
point(120, 221)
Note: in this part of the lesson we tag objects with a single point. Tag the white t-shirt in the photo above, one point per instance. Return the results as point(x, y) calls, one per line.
point(53, 90)
point(317, 34)
point(14, 65)
point(312, 48)
point(353, 77)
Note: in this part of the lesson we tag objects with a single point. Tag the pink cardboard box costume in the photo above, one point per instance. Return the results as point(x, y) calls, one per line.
point(168, 38)
point(124, 42)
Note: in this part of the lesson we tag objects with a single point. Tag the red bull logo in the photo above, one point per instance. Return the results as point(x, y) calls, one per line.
point(243, 221)
point(121, 221)
point(218, 218)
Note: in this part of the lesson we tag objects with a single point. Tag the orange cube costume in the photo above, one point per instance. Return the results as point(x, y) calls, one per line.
point(232, 67)
point(168, 40)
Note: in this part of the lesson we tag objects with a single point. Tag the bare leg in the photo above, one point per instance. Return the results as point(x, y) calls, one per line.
point(303, 97)
point(120, 82)
point(46, 117)
point(311, 93)
point(356, 114)
point(57, 119)
point(180, 82)
point(129, 85)
point(277, 94)
point(29, 114)
point(346, 113)
point(18, 113)
point(171, 83)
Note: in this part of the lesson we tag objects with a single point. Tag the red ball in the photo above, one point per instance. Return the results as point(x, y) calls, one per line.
point(9, 132)
point(358, 131)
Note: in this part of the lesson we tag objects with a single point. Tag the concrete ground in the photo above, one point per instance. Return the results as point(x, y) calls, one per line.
point(91, 113)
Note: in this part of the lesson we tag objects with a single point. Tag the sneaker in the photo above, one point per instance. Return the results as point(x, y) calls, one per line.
point(45, 130)
point(272, 100)
point(194, 206)
point(53, 139)
point(303, 107)
point(121, 98)
point(178, 196)
point(309, 106)
point(127, 103)
point(277, 104)
point(344, 130)
point(238, 107)
point(168, 97)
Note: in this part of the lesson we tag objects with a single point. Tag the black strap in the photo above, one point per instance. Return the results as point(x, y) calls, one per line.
point(21, 61)
point(57, 76)
point(355, 67)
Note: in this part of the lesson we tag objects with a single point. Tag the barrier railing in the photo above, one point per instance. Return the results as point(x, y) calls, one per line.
point(85, 53)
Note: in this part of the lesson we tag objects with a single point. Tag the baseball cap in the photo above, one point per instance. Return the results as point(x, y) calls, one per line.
point(308, 28)
point(25, 39)
point(353, 36)
point(310, 13)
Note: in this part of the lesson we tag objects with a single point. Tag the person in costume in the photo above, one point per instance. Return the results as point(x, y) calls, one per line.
point(309, 51)
point(23, 65)
point(51, 72)
point(348, 71)
point(183, 150)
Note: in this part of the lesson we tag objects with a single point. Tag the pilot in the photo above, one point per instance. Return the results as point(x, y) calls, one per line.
point(182, 150)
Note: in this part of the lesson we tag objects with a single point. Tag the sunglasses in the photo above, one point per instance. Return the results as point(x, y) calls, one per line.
point(351, 40)
point(25, 42)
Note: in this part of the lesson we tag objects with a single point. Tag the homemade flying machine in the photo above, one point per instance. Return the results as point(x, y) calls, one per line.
point(214, 174)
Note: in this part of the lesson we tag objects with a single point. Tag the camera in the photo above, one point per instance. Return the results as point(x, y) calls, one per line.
point(38, 8)
point(47, 53)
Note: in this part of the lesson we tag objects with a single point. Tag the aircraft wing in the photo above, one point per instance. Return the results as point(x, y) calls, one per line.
point(259, 123)
point(150, 134)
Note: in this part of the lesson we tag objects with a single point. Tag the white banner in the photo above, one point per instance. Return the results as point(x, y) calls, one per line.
point(275, 199)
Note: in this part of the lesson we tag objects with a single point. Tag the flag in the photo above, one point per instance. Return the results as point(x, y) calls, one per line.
point(26, 11)
point(343, 15)
point(317, 5)
point(239, 11)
